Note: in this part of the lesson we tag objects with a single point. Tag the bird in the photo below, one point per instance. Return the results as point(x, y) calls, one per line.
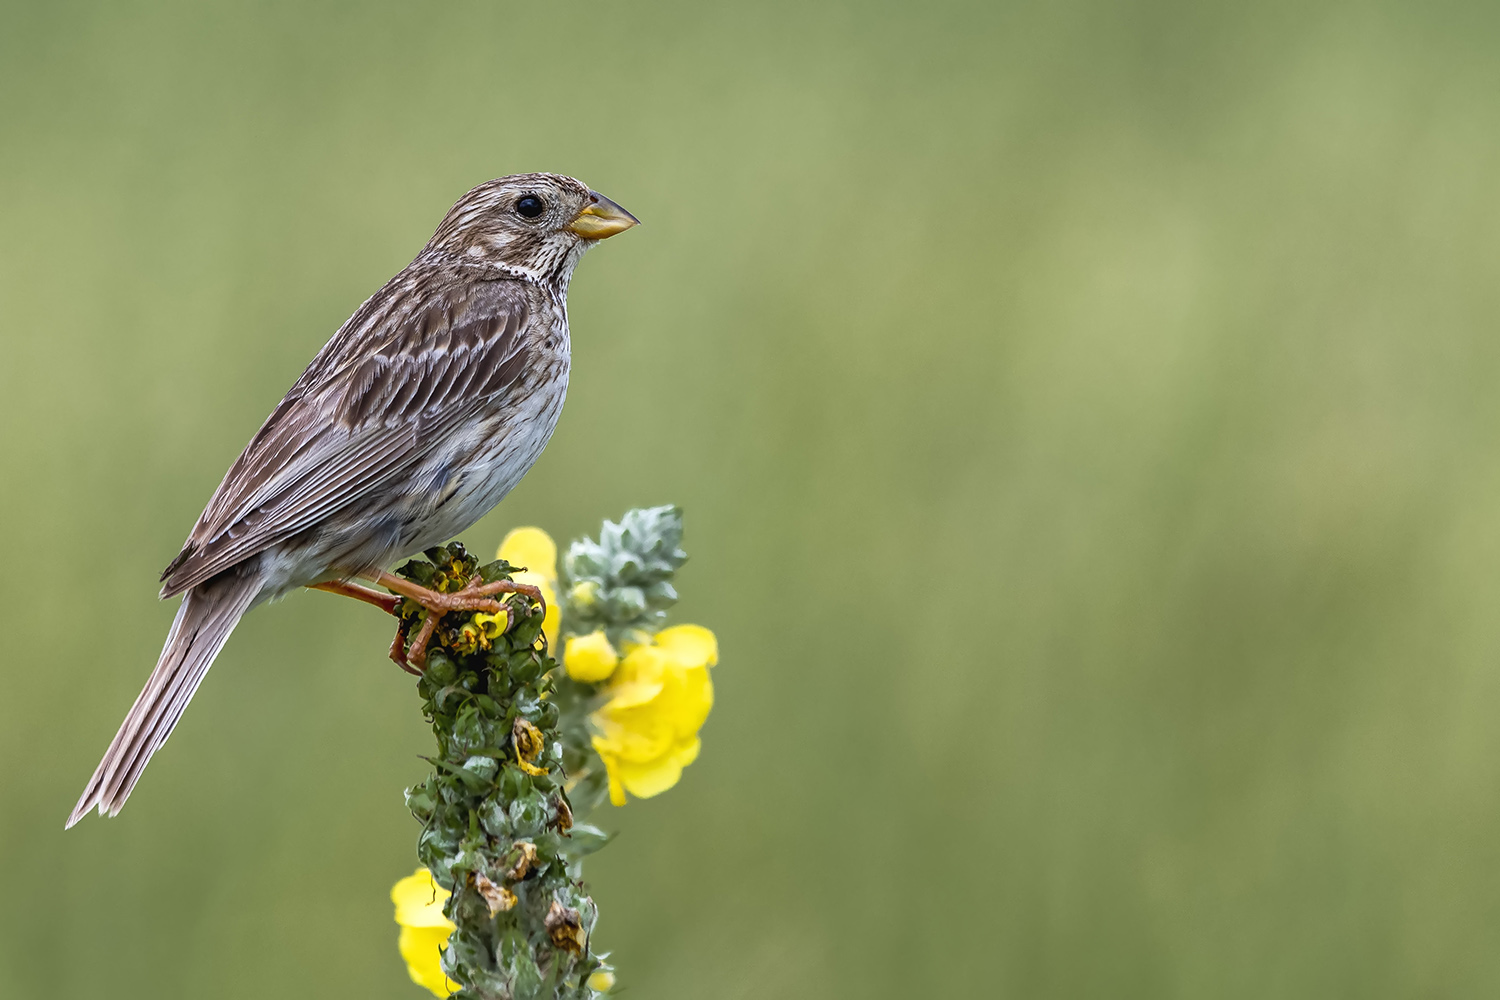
point(419, 415)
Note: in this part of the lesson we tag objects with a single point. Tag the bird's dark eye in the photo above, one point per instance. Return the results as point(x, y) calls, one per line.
point(529, 206)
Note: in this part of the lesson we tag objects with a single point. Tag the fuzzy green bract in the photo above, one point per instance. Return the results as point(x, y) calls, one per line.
point(624, 580)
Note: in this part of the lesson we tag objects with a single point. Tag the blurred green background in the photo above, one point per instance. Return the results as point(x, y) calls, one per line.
point(1087, 419)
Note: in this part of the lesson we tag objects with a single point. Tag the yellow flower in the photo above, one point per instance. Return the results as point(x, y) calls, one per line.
point(659, 697)
point(535, 549)
point(491, 626)
point(424, 930)
point(590, 658)
point(602, 981)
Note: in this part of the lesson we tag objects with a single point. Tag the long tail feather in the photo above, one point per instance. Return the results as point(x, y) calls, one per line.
point(208, 614)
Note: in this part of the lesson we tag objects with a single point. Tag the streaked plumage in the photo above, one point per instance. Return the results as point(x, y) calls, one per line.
point(425, 408)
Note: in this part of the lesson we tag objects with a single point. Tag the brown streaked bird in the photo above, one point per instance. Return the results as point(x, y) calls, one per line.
point(424, 410)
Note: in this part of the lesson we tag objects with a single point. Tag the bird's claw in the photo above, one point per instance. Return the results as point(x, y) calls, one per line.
point(509, 587)
point(416, 653)
point(398, 651)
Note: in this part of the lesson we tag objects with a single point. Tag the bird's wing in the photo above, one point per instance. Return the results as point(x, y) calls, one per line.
point(409, 365)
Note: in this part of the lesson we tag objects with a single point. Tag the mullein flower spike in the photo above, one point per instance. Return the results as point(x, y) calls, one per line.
point(500, 911)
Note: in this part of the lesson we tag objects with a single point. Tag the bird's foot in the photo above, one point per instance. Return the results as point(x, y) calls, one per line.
point(414, 660)
point(475, 596)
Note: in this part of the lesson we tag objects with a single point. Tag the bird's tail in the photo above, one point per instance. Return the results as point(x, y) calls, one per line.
point(209, 612)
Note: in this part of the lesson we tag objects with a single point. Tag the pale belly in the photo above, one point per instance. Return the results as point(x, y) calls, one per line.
point(501, 453)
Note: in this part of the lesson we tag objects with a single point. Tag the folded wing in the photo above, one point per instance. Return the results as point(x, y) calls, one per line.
point(409, 365)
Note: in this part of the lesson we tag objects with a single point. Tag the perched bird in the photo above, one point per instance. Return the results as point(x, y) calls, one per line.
point(424, 410)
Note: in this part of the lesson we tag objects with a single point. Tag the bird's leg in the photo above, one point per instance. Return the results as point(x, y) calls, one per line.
point(385, 602)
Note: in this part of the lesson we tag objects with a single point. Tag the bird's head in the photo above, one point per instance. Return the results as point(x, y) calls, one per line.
point(538, 223)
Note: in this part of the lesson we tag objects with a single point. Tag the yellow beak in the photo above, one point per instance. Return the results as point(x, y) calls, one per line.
point(602, 219)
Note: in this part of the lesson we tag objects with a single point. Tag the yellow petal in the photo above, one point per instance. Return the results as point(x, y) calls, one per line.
point(645, 664)
point(532, 548)
point(632, 694)
point(692, 698)
point(422, 949)
point(690, 645)
point(492, 626)
point(648, 779)
point(683, 703)
point(616, 790)
point(687, 751)
point(637, 737)
point(602, 981)
point(419, 901)
point(590, 658)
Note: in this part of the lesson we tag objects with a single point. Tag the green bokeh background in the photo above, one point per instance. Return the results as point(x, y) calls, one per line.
point(1087, 415)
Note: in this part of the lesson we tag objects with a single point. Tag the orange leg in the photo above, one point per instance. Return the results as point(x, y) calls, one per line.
point(385, 602)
